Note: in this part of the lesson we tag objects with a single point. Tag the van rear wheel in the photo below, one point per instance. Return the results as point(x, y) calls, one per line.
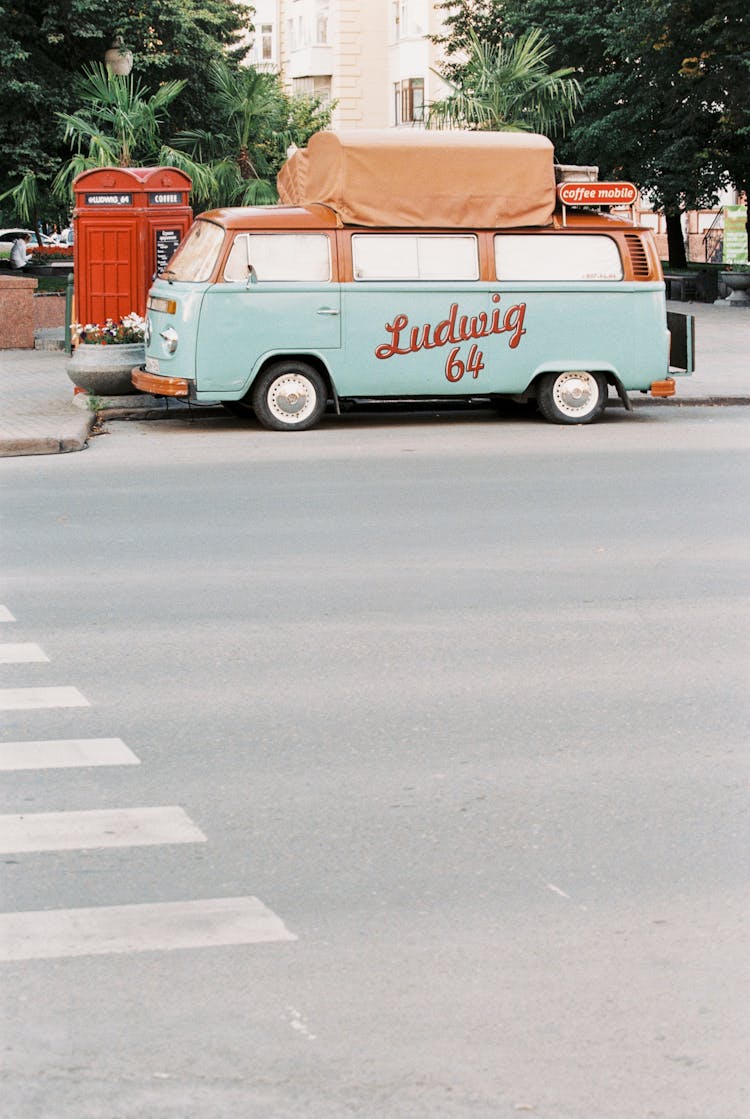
point(573, 397)
point(289, 396)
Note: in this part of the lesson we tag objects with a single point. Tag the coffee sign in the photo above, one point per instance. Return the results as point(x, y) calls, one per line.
point(597, 194)
point(165, 198)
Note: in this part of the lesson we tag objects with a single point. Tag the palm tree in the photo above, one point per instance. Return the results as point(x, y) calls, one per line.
point(509, 88)
point(256, 122)
point(117, 124)
point(236, 158)
point(26, 198)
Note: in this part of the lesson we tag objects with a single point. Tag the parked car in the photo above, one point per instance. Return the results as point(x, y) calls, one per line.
point(8, 236)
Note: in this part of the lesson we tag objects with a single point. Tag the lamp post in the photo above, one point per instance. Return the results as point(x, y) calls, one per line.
point(118, 59)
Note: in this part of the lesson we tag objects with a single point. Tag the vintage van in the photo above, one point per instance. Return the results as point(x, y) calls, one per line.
point(414, 284)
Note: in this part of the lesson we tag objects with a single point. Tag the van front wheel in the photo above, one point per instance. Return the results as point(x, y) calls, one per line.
point(290, 396)
point(574, 397)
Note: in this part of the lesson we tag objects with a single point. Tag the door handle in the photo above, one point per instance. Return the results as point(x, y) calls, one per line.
point(327, 311)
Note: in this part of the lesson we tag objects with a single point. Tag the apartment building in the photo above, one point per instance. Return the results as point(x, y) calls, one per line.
point(264, 48)
point(372, 57)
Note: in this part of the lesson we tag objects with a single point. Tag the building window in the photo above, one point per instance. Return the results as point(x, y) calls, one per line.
point(409, 101)
point(402, 18)
point(321, 22)
point(266, 42)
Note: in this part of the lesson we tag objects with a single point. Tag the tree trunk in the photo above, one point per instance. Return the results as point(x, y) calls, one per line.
point(675, 241)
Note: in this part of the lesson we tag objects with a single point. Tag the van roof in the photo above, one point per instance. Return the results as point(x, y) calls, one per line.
point(318, 216)
point(274, 217)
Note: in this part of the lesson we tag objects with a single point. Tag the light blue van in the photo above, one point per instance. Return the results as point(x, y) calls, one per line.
point(284, 311)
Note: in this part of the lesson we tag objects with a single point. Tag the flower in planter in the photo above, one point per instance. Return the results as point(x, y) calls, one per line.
point(43, 253)
point(130, 328)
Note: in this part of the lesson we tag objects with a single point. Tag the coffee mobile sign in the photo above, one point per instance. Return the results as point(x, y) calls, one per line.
point(597, 194)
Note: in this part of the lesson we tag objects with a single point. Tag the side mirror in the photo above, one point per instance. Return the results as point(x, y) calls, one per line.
point(252, 275)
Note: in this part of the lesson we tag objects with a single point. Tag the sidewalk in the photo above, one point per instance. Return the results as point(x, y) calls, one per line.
point(39, 414)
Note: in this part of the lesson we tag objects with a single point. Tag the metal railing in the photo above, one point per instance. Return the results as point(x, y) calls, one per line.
point(713, 241)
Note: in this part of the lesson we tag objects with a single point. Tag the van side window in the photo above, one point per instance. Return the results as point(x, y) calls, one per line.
point(301, 257)
point(538, 256)
point(421, 256)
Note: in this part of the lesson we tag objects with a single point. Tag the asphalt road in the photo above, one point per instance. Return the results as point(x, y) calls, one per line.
point(461, 701)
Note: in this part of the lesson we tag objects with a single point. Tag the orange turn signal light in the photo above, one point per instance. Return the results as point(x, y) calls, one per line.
point(156, 303)
point(663, 388)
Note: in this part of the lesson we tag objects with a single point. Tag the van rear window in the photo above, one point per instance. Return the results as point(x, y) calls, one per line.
point(539, 256)
point(300, 257)
point(421, 256)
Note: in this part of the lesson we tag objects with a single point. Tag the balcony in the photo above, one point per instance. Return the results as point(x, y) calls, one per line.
point(310, 61)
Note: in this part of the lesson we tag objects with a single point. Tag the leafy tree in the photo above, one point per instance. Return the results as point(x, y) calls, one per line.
point(666, 95)
point(236, 162)
point(508, 87)
point(46, 43)
point(666, 89)
point(464, 19)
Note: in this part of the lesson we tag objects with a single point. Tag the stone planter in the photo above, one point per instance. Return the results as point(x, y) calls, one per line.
point(738, 284)
point(105, 370)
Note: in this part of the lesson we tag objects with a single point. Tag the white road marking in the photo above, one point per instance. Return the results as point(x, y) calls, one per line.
point(65, 753)
point(138, 928)
point(557, 890)
point(29, 699)
point(5, 615)
point(22, 653)
point(109, 827)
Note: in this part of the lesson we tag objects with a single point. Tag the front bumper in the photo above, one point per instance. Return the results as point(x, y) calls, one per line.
point(157, 385)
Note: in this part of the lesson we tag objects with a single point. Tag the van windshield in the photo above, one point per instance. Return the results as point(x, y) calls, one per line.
point(196, 257)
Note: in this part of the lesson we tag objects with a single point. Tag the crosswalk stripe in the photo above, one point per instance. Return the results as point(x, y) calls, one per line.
point(164, 926)
point(28, 699)
point(108, 827)
point(65, 753)
point(5, 615)
point(22, 653)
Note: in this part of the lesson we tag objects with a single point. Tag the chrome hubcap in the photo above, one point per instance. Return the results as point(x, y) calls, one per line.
point(576, 394)
point(292, 398)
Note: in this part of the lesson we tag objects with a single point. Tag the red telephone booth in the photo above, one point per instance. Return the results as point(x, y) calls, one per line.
point(128, 221)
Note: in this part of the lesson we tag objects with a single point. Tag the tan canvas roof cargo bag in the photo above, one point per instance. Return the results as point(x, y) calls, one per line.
point(485, 180)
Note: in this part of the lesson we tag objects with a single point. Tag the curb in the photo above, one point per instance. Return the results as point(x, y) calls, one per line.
point(691, 402)
point(15, 446)
point(143, 406)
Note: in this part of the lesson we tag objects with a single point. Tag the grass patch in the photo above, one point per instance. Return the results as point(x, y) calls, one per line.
point(57, 284)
